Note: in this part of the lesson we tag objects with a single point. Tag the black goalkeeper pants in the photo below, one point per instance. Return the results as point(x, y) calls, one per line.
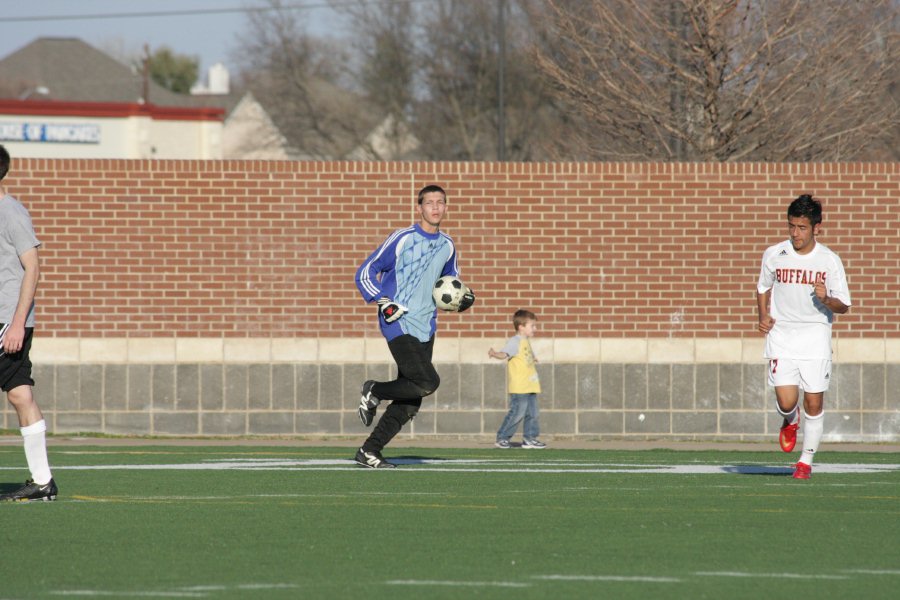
point(416, 378)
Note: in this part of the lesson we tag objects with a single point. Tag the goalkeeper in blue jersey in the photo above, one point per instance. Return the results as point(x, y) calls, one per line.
point(399, 277)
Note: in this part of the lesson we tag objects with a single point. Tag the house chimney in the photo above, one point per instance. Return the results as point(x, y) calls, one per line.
point(218, 82)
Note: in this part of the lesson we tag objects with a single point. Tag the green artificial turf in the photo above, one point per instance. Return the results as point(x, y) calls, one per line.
point(300, 522)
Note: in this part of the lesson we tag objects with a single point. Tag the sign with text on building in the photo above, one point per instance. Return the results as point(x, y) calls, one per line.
point(50, 132)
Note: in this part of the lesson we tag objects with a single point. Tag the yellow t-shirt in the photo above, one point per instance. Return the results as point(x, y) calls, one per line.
point(522, 376)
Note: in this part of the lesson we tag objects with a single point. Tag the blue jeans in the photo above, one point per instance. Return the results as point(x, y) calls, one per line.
point(521, 406)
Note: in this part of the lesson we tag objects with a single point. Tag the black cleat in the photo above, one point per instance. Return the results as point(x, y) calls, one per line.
point(367, 403)
point(372, 460)
point(32, 491)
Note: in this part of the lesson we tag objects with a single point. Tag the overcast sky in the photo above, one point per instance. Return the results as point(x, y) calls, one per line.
point(205, 29)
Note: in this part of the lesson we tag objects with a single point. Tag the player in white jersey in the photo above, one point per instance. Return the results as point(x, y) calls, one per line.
point(801, 286)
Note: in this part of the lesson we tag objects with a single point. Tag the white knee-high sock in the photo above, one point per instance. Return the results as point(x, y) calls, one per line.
point(36, 451)
point(812, 434)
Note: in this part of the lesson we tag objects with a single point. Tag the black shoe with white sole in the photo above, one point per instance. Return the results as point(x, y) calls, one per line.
point(372, 460)
point(367, 403)
point(32, 491)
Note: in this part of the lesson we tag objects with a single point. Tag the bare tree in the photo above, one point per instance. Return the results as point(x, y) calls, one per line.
point(459, 102)
point(298, 79)
point(719, 80)
point(406, 80)
point(887, 147)
point(458, 68)
point(536, 125)
point(434, 70)
point(384, 69)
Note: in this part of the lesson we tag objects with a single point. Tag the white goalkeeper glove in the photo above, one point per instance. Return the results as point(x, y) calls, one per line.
point(390, 310)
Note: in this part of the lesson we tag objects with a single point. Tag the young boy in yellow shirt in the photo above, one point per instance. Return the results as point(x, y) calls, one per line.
point(522, 381)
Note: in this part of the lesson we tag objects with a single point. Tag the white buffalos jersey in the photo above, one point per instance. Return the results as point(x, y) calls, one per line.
point(802, 327)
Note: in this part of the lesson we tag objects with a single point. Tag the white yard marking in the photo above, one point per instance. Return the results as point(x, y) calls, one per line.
point(266, 586)
point(768, 575)
point(129, 594)
point(194, 591)
point(625, 578)
point(348, 494)
point(638, 578)
point(430, 582)
point(479, 466)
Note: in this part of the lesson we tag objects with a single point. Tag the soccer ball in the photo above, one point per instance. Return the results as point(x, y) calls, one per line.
point(447, 293)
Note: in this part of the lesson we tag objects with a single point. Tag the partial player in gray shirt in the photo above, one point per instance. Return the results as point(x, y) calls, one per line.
point(19, 274)
point(16, 237)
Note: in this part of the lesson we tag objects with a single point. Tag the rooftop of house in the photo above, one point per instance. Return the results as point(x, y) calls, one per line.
point(69, 69)
point(329, 122)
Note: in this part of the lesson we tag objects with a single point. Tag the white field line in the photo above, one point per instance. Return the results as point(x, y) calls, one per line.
point(130, 594)
point(194, 591)
point(479, 466)
point(769, 575)
point(266, 586)
point(625, 578)
point(206, 591)
point(435, 583)
point(630, 578)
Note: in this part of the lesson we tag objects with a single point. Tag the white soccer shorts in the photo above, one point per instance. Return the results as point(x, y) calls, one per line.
point(812, 376)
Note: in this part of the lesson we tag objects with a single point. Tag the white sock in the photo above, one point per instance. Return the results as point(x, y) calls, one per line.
point(812, 434)
point(36, 451)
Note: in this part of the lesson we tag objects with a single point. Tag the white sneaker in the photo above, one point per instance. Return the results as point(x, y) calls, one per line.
point(535, 443)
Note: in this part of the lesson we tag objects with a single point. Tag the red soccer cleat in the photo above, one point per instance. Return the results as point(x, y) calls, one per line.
point(802, 471)
point(788, 436)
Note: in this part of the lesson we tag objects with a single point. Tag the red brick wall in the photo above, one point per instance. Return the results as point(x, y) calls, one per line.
point(269, 249)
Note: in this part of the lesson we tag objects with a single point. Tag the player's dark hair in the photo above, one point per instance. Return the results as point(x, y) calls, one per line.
point(806, 206)
point(521, 317)
point(4, 162)
point(431, 188)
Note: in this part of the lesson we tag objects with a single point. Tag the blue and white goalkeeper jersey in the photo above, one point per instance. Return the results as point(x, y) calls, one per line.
point(404, 268)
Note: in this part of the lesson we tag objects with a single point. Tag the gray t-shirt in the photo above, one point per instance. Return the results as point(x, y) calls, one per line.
point(16, 237)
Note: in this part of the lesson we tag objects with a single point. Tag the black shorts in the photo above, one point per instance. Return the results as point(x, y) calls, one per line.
point(15, 369)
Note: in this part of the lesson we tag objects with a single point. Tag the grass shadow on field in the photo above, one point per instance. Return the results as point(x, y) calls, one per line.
point(415, 460)
point(759, 470)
